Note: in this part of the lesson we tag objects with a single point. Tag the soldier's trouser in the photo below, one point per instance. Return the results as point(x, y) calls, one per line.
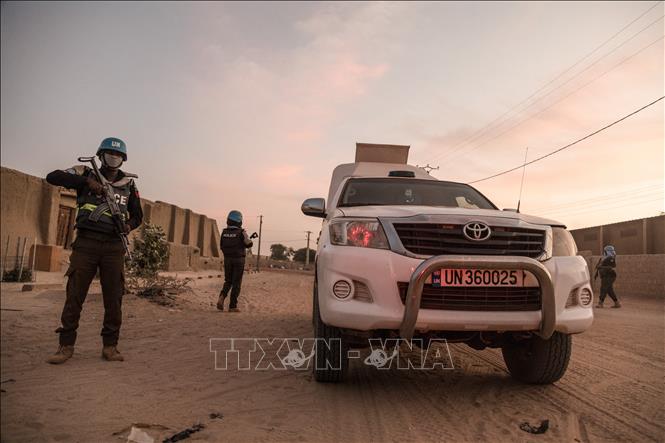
point(233, 270)
point(88, 255)
point(607, 288)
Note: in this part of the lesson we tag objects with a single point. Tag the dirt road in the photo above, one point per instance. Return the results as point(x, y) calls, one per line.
point(614, 388)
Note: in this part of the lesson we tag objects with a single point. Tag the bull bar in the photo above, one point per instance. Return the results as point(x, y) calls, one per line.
point(418, 277)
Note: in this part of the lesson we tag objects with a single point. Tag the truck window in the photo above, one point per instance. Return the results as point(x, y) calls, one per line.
point(393, 191)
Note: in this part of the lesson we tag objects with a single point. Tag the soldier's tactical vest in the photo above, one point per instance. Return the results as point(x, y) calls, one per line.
point(232, 242)
point(93, 212)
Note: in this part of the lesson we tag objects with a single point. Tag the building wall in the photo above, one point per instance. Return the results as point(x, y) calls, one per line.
point(642, 236)
point(637, 275)
point(30, 208)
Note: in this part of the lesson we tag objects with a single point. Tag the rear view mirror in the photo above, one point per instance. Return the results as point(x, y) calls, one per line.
point(314, 207)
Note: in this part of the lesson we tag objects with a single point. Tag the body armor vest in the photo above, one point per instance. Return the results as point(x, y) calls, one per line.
point(93, 213)
point(233, 243)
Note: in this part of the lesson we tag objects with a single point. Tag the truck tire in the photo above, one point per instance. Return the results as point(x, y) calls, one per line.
point(331, 363)
point(538, 361)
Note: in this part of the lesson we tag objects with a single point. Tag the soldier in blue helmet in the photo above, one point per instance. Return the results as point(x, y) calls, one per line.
point(97, 245)
point(234, 243)
point(606, 269)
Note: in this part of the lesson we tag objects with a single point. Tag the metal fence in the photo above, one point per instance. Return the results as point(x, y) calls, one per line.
point(17, 264)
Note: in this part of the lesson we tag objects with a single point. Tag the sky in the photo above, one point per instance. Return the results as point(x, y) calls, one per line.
point(250, 106)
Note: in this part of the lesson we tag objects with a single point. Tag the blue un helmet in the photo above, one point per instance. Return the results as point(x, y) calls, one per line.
point(115, 145)
point(609, 251)
point(234, 218)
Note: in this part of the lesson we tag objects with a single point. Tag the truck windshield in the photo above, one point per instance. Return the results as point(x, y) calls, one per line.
point(409, 191)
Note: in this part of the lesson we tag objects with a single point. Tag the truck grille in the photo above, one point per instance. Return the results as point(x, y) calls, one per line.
point(477, 298)
point(441, 239)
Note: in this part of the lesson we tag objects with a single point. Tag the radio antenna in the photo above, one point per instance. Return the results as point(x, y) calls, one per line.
point(519, 199)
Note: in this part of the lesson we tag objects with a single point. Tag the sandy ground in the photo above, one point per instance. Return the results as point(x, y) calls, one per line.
point(613, 390)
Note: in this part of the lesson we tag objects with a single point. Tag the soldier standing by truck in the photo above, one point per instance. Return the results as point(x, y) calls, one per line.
point(98, 244)
point(606, 269)
point(234, 243)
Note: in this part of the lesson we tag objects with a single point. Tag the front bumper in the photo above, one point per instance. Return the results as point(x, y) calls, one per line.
point(380, 270)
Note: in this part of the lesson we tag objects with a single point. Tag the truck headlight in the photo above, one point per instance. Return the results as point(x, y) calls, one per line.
point(365, 233)
point(563, 243)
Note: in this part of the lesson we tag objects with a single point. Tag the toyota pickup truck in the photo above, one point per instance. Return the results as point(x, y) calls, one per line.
point(403, 254)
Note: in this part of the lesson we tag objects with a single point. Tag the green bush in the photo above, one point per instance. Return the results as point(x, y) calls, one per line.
point(150, 254)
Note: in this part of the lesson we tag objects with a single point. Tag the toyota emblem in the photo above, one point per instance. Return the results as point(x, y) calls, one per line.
point(476, 231)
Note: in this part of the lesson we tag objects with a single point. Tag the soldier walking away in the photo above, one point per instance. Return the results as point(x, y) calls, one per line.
point(605, 268)
point(234, 243)
point(98, 245)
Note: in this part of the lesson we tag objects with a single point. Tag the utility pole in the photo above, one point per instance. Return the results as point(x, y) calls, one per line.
point(258, 254)
point(307, 252)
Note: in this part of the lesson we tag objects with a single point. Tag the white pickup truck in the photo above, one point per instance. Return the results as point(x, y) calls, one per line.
point(402, 254)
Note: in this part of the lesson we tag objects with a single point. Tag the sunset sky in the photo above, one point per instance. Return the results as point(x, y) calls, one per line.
point(250, 106)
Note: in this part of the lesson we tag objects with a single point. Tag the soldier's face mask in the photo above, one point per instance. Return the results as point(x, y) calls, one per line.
point(112, 161)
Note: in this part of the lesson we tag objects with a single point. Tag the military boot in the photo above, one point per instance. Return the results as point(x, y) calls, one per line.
point(110, 353)
point(599, 305)
point(617, 304)
point(220, 302)
point(63, 354)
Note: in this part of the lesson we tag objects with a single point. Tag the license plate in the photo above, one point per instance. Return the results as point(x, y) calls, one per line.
point(478, 277)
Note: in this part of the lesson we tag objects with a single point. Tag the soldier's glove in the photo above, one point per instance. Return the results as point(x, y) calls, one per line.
point(94, 186)
point(254, 235)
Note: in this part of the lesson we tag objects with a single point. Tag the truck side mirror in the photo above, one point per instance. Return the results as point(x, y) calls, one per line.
point(314, 207)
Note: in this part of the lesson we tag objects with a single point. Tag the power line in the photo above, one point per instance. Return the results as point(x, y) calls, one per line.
point(570, 144)
point(519, 123)
point(490, 124)
point(486, 129)
point(601, 204)
point(592, 200)
point(583, 210)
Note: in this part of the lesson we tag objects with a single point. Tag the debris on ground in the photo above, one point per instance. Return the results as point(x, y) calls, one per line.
point(214, 415)
point(182, 435)
point(129, 432)
point(544, 425)
point(136, 435)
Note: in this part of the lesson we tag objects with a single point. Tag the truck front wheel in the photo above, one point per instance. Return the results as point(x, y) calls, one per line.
point(331, 360)
point(538, 361)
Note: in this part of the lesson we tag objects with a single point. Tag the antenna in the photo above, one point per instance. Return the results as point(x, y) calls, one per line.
point(519, 199)
point(428, 168)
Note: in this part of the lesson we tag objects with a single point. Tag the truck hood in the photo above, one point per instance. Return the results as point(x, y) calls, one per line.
point(410, 211)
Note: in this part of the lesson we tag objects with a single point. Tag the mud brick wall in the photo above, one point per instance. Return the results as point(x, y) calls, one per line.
point(637, 275)
point(30, 208)
point(633, 237)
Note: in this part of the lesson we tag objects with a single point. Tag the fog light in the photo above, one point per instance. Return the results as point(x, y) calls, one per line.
point(586, 297)
point(342, 289)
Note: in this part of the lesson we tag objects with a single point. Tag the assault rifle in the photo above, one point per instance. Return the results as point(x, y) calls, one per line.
point(109, 204)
